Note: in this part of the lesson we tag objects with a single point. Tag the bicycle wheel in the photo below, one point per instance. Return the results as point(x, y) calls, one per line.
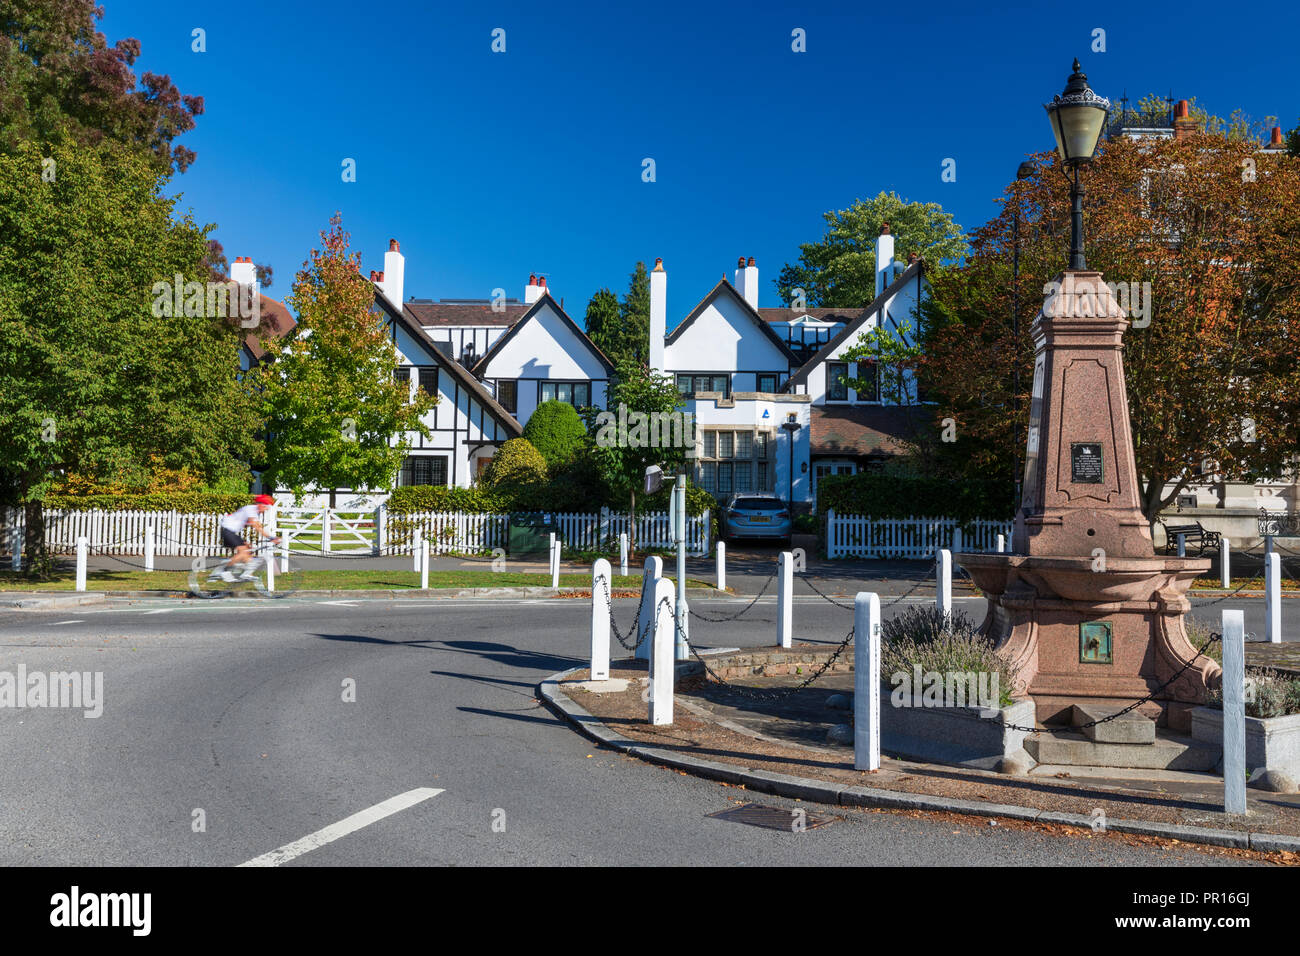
point(286, 579)
point(206, 582)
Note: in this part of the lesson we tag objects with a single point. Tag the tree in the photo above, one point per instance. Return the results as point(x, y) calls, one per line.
point(555, 429)
point(92, 380)
point(61, 81)
point(620, 455)
point(633, 340)
point(329, 392)
point(604, 325)
point(517, 471)
point(839, 270)
point(1205, 258)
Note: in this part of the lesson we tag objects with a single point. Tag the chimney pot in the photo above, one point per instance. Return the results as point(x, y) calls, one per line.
point(542, 281)
point(751, 261)
point(740, 263)
point(532, 278)
point(1277, 136)
point(393, 246)
point(381, 277)
point(659, 264)
point(1180, 110)
point(884, 228)
point(374, 276)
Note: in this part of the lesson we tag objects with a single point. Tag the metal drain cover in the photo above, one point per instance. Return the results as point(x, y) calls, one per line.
point(773, 818)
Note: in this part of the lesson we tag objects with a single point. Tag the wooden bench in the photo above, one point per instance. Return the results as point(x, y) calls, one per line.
point(1195, 536)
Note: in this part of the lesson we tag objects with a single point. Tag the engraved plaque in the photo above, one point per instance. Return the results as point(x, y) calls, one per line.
point(1085, 463)
point(1095, 642)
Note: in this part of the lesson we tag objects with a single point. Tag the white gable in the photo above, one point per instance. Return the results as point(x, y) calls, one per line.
point(725, 337)
point(547, 347)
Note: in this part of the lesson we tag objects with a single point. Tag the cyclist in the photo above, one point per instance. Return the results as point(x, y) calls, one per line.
point(232, 536)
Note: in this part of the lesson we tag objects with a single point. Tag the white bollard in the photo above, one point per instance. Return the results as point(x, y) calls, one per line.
point(1234, 711)
point(654, 569)
point(722, 566)
point(683, 650)
point(956, 541)
point(555, 562)
point(1002, 544)
point(82, 548)
point(662, 664)
point(602, 587)
point(1273, 598)
point(416, 550)
point(284, 556)
point(148, 548)
point(943, 582)
point(424, 564)
point(270, 569)
point(15, 544)
point(1225, 562)
point(866, 681)
point(622, 553)
point(785, 599)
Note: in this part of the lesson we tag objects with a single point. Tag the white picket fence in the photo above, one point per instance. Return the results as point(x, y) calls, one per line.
point(458, 532)
point(313, 531)
point(861, 537)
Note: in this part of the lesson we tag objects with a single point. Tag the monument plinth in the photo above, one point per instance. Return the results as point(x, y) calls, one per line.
point(1083, 607)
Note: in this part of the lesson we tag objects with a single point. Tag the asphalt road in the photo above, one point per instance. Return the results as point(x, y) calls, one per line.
point(236, 709)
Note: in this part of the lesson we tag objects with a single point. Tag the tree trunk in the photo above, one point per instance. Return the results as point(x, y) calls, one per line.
point(333, 498)
point(36, 560)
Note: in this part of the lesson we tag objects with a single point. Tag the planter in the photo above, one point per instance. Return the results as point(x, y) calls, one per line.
point(1272, 744)
point(974, 736)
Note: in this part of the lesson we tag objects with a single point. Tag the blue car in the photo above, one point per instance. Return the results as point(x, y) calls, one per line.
point(757, 516)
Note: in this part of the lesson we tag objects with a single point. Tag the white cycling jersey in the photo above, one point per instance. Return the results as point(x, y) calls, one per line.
point(235, 522)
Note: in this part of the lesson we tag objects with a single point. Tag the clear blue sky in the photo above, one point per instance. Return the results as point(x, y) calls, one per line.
point(488, 166)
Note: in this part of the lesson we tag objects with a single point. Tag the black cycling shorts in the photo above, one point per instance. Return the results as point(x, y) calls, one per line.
point(231, 539)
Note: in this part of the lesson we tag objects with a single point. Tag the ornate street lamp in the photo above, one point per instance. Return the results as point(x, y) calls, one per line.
point(1078, 116)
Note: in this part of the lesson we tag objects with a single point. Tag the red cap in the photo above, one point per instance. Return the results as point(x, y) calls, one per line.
point(264, 500)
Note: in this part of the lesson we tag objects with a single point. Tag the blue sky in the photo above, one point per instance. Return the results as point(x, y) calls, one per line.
point(488, 166)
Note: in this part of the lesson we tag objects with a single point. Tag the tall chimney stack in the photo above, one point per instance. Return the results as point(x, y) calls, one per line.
point(750, 288)
point(658, 315)
point(1184, 125)
point(884, 258)
point(243, 271)
point(393, 277)
point(533, 291)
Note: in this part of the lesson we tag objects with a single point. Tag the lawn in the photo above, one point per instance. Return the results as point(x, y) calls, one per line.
point(359, 579)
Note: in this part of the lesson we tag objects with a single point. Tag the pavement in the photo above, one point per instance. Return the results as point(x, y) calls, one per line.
point(318, 732)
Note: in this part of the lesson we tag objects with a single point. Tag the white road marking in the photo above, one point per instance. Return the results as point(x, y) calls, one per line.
point(161, 610)
point(345, 826)
point(57, 623)
point(341, 603)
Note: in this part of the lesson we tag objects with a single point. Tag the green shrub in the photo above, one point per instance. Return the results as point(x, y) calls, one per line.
point(557, 432)
point(902, 496)
point(1268, 694)
point(418, 498)
point(196, 502)
point(924, 637)
point(517, 464)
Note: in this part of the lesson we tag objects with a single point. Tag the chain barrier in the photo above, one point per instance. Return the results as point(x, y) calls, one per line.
point(824, 596)
point(718, 619)
point(1225, 597)
point(613, 622)
point(912, 590)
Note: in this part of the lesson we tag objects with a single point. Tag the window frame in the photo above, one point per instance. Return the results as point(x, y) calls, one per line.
point(833, 381)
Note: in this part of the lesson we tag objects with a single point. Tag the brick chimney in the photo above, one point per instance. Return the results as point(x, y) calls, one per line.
point(395, 271)
point(658, 315)
point(1184, 125)
point(1276, 143)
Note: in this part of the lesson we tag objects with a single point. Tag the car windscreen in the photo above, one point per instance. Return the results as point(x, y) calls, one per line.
point(757, 504)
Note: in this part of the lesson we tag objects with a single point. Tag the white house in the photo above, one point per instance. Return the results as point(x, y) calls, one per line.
point(772, 411)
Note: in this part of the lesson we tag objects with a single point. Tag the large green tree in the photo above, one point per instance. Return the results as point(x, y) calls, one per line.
point(634, 315)
point(92, 380)
point(604, 324)
point(839, 270)
point(60, 80)
point(329, 393)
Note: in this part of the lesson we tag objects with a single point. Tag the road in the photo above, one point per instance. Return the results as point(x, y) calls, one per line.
point(237, 710)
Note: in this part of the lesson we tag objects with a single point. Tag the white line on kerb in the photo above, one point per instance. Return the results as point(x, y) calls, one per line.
point(345, 826)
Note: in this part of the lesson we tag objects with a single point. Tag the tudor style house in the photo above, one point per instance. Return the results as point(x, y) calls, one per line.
point(767, 385)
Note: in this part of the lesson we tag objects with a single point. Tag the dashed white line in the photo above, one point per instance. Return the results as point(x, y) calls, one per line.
point(57, 623)
point(345, 826)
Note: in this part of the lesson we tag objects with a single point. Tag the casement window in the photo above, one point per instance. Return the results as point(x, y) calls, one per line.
point(427, 374)
point(869, 374)
point(836, 389)
point(424, 470)
point(577, 394)
point(767, 382)
point(508, 394)
point(688, 385)
point(735, 460)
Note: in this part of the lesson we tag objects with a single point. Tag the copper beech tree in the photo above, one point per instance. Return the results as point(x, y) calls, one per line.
point(1201, 236)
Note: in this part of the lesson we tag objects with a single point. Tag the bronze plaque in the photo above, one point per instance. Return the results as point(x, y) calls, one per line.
point(1095, 642)
point(1085, 463)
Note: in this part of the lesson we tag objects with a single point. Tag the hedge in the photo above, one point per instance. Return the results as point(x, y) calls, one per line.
point(889, 496)
point(409, 499)
point(191, 502)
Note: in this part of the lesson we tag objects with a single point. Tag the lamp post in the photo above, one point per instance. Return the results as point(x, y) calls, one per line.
point(1078, 116)
point(792, 427)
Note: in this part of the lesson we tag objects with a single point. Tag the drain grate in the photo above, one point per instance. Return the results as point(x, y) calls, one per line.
point(773, 818)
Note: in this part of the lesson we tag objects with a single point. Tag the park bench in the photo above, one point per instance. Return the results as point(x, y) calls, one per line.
point(1195, 536)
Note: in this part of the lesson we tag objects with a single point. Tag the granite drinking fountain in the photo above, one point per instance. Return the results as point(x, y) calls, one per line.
point(1083, 607)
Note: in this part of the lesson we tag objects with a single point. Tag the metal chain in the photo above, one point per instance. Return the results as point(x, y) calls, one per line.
point(910, 591)
point(826, 597)
point(1225, 597)
point(613, 622)
point(712, 619)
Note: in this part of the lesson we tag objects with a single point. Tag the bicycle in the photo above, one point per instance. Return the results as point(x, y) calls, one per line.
point(208, 583)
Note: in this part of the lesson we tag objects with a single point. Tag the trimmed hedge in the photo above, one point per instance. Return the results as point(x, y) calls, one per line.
point(890, 496)
point(193, 502)
point(410, 499)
